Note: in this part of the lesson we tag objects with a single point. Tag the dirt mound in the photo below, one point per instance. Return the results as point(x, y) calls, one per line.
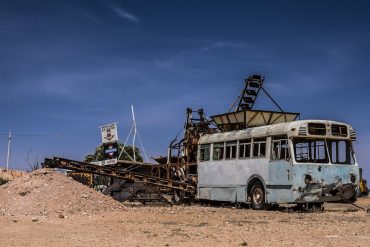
point(46, 192)
point(7, 175)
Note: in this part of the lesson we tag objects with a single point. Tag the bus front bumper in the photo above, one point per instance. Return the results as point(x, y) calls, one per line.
point(316, 192)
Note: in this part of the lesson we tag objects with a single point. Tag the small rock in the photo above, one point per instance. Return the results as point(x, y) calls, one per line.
point(244, 243)
point(15, 220)
point(84, 196)
point(61, 216)
point(34, 219)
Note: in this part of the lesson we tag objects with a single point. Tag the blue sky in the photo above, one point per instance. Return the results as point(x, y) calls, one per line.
point(67, 67)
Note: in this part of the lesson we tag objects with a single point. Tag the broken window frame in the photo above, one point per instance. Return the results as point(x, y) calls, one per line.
point(349, 153)
point(316, 129)
point(278, 142)
point(259, 143)
point(339, 130)
point(218, 151)
point(205, 152)
point(313, 147)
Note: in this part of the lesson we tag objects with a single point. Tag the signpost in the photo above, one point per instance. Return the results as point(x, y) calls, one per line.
point(109, 133)
point(109, 136)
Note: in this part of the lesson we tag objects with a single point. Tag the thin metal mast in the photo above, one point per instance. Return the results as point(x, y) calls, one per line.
point(135, 130)
point(8, 155)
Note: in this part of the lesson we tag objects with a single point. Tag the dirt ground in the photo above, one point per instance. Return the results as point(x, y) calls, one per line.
point(48, 193)
point(192, 226)
point(46, 208)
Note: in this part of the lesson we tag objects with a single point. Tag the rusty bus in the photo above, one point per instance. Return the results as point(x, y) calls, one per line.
point(301, 162)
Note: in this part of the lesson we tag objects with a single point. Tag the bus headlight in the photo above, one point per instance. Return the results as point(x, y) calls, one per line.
point(353, 178)
point(307, 179)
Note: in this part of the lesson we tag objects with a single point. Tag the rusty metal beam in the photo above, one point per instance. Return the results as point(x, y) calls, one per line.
point(79, 166)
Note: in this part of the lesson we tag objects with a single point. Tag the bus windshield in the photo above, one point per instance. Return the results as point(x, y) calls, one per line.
point(323, 151)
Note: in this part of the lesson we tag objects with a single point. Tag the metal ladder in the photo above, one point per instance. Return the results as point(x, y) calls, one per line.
point(253, 85)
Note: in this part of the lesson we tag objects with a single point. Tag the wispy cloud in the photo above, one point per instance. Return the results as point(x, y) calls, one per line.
point(122, 13)
point(163, 64)
point(91, 17)
point(207, 47)
point(222, 44)
point(170, 61)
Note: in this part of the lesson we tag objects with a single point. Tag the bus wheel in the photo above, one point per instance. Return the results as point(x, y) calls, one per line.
point(258, 197)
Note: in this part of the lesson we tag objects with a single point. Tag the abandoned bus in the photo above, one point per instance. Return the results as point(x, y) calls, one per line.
point(300, 162)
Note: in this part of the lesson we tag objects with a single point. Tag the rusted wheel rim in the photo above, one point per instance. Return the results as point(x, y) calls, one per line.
point(257, 196)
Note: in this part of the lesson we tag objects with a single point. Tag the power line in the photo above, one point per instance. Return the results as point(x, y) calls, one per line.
point(34, 135)
point(59, 134)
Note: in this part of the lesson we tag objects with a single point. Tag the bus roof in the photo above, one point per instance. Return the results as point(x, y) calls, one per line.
point(298, 128)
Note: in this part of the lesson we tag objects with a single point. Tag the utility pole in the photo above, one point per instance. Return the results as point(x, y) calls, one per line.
point(8, 156)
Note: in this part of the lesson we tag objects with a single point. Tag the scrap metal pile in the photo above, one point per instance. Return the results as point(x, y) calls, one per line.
point(125, 181)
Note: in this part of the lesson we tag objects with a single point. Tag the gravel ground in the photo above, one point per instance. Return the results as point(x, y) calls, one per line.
point(66, 213)
point(192, 226)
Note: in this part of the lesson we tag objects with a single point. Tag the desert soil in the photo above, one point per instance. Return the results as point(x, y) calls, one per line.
point(74, 215)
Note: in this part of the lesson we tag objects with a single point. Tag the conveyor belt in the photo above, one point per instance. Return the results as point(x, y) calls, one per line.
point(79, 166)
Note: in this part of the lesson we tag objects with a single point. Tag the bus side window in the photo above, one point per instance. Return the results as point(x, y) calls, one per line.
point(259, 147)
point(218, 150)
point(231, 150)
point(285, 154)
point(262, 152)
point(275, 154)
point(205, 150)
point(340, 152)
point(245, 148)
point(279, 148)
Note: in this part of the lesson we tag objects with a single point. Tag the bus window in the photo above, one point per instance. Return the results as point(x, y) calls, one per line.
point(245, 148)
point(218, 151)
point(339, 130)
point(259, 147)
point(317, 129)
point(340, 152)
point(205, 150)
point(280, 148)
point(313, 151)
point(231, 150)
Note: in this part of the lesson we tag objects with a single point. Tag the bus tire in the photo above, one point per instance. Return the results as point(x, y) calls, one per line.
point(258, 197)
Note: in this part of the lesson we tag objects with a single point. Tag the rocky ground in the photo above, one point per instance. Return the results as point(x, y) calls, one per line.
point(49, 193)
point(7, 175)
point(87, 223)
